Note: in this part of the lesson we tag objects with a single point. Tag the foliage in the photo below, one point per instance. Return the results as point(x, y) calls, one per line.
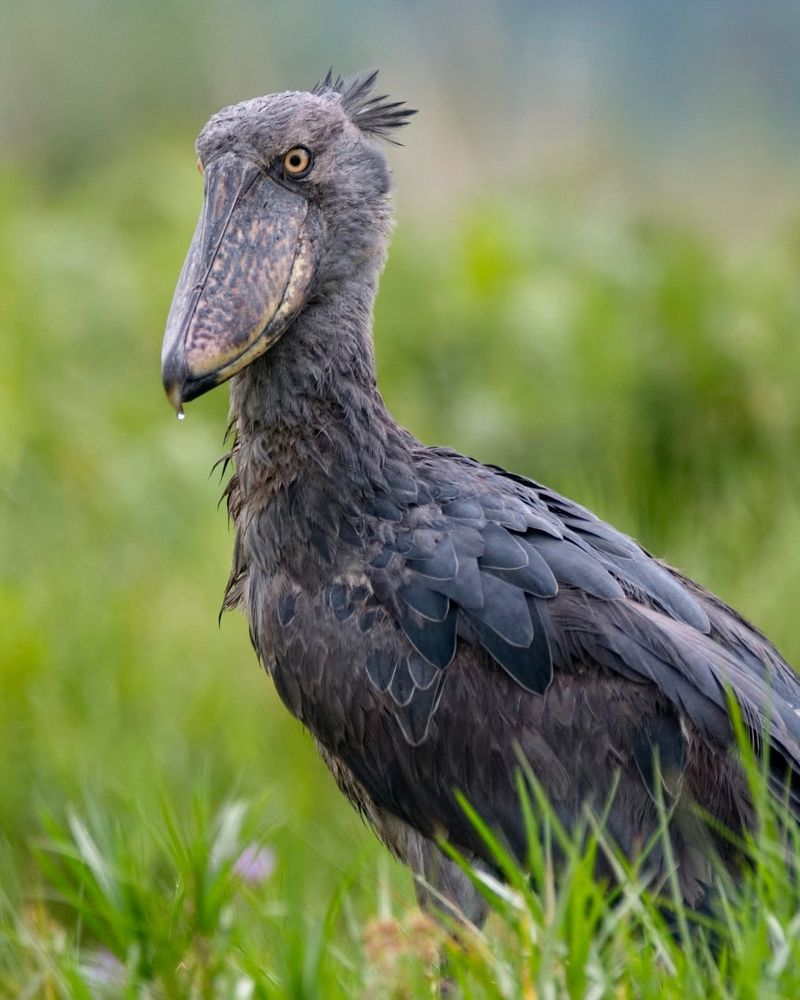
point(628, 361)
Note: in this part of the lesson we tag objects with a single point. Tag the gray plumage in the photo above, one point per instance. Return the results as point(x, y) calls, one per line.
point(428, 617)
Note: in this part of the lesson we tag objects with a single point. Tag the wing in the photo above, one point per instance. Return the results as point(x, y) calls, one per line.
point(472, 554)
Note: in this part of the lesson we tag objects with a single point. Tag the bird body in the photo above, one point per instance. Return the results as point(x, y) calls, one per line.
point(431, 620)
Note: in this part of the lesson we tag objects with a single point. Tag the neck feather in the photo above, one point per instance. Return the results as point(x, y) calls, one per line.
point(311, 405)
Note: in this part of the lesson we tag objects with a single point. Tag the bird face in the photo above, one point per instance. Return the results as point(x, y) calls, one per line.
point(295, 200)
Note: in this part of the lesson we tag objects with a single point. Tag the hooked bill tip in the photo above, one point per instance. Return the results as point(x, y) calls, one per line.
point(174, 390)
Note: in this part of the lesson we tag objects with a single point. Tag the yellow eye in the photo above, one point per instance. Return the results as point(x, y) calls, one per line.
point(298, 161)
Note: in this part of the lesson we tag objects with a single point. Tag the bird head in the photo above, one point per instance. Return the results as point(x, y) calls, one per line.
point(296, 199)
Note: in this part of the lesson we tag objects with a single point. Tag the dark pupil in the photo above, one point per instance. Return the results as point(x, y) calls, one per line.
point(295, 160)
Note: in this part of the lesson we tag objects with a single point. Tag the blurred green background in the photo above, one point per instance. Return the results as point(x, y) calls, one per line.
point(594, 281)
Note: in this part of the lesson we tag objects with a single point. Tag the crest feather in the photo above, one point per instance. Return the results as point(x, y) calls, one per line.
point(374, 114)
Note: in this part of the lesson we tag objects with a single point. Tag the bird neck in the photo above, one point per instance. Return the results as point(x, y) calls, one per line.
point(310, 407)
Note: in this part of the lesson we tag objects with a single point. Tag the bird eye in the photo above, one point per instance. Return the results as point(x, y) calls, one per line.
point(298, 161)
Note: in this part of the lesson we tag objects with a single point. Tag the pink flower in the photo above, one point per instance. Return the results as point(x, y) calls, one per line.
point(255, 864)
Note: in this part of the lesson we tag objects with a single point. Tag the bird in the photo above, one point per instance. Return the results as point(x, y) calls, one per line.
point(439, 625)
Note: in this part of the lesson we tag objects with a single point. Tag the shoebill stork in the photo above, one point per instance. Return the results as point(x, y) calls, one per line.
point(429, 618)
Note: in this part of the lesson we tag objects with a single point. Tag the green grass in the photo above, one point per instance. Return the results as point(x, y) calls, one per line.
point(189, 909)
point(629, 361)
